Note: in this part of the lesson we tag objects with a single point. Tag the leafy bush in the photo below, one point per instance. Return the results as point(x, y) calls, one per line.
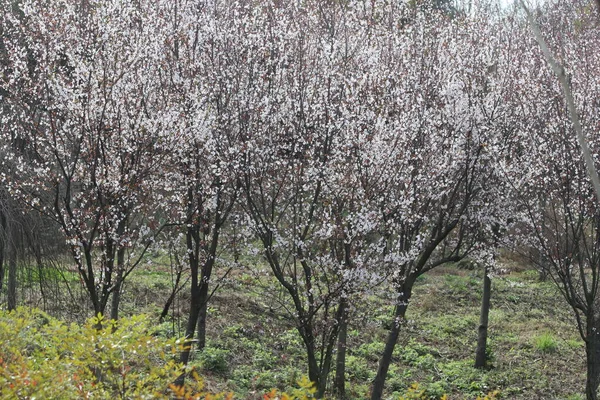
point(370, 351)
point(214, 359)
point(546, 343)
point(415, 392)
point(42, 357)
point(305, 391)
point(357, 369)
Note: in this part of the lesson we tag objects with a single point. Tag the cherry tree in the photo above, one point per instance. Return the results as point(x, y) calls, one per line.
point(559, 117)
point(364, 142)
point(82, 128)
point(302, 190)
point(201, 83)
point(441, 127)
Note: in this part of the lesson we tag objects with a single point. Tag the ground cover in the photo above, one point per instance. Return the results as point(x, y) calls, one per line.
point(534, 350)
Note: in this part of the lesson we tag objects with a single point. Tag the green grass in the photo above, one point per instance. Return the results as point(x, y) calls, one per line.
point(534, 347)
point(545, 343)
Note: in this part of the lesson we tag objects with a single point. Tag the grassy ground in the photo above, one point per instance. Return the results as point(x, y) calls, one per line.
point(534, 348)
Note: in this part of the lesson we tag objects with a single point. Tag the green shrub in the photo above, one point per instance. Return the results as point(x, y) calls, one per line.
point(42, 357)
point(371, 351)
point(357, 369)
point(546, 343)
point(416, 392)
point(435, 390)
point(214, 360)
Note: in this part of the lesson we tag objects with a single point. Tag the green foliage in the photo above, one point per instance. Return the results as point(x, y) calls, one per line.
point(436, 390)
point(305, 391)
point(432, 391)
point(44, 358)
point(418, 354)
point(263, 349)
point(214, 360)
point(545, 343)
point(358, 369)
point(461, 285)
point(371, 351)
point(399, 378)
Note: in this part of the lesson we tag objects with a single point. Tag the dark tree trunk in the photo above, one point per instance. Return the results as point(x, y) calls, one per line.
point(325, 366)
point(116, 295)
point(386, 358)
point(189, 331)
point(12, 271)
point(324, 373)
point(199, 289)
point(480, 354)
point(34, 245)
point(542, 263)
point(339, 386)
point(313, 367)
point(191, 326)
point(3, 246)
point(171, 298)
point(202, 315)
point(592, 348)
point(319, 368)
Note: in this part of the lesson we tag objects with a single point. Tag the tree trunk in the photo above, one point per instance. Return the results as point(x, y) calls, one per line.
point(116, 299)
point(480, 354)
point(542, 263)
point(189, 332)
point(12, 269)
point(386, 358)
point(202, 315)
point(339, 385)
point(325, 366)
point(34, 245)
point(3, 247)
point(116, 296)
point(313, 368)
point(323, 374)
point(592, 348)
point(171, 298)
point(191, 325)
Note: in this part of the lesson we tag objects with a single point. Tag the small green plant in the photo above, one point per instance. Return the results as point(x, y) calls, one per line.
point(545, 343)
point(415, 392)
point(357, 369)
point(42, 357)
point(490, 396)
point(436, 390)
point(214, 360)
point(305, 391)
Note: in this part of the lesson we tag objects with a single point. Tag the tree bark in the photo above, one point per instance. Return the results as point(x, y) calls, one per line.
point(116, 296)
point(592, 348)
point(189, 332)
point(12, 270)
point(339, 385)
point(3, 246)
point(386, 358)
point(480, 354)
point(191, 326)
point(171, 298)
point(313, 368)
point(202, 316)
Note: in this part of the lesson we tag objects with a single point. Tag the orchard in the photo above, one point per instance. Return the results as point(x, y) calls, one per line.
point(244, 196)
